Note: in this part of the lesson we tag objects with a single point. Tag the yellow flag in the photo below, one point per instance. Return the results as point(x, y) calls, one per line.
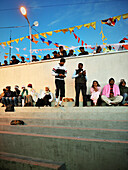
point(4, 43)
point(12, 40)
point(6, 53)
point(79, 26)
point(49, 33)
point(117, 17)
point(105, 39)
point(87, 25)
point(21, 38)
point(8, 42)
point(93, 25)
point(39, 56)
point(103, 36)
point(125, 16)
point(17, 40)
point(36, 36)
point(43, 34)
point(104, 43)
point(64, 30)
point(79, 51)
point(71, 29)
point(56, 31)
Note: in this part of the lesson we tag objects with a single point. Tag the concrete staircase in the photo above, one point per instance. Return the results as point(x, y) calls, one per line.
point(92, 138)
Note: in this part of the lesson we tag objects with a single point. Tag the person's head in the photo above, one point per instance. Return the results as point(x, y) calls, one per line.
point(5, 62)
point(81, 49)
point(71, 52)
point(95, 84)
point(61, 48)
point(62, 61)
point(111, 81)
point(8, 88)
point(98, 50)
point(122, 83)
point(23, 87)
point(16, 87)
point(33, 57)
point(80, 65)
point(54, 53)
point(4, 90)
point(22, 58)
point(122, 41)
point(30, 85)
point(109, 47)
point(47, 56)
point(46, 88)
point(13, 57)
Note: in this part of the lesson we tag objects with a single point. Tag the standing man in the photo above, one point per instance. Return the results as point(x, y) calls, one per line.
point(80, 84)
point(60, 73)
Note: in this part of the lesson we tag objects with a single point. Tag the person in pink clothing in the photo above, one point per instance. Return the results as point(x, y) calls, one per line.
point(111, 93)
point(95, 93)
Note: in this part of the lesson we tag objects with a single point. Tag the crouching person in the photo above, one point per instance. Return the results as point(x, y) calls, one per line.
point(111, 93)
point(45, 98)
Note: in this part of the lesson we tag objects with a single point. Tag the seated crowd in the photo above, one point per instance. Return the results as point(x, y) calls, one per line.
point(111, 94)
point(62, 53)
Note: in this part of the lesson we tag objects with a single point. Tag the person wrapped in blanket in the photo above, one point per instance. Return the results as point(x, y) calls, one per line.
point(45, 98)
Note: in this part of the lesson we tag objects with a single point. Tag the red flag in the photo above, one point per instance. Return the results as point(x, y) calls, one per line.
point(27, 58)
point(82, 42)
point(5, 57)
point(125, 46)
point(75, 35)
point(85, 45)
point(125, 38)
point(78, 39)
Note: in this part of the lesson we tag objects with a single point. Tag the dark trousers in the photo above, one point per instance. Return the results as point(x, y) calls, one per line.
point(44, 101)
point(60, 88)
point(83, 88)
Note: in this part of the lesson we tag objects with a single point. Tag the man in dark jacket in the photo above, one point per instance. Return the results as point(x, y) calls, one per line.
point(14, 60)
point(7, 98)
point(17, 97)
point(80, 84)
point(62, 53)
point(82, 51)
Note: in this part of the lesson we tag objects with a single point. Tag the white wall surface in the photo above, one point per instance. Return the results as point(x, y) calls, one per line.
point(99, 67)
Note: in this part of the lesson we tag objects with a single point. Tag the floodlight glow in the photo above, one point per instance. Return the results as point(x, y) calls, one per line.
point(23, 11)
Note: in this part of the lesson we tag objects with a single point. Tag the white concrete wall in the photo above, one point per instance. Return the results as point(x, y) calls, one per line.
point(99, 67)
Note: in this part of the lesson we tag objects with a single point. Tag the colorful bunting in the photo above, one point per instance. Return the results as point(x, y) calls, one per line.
point(22, 38)
point(117, 17)
point(64, 30)
point(87, 25)
point(79, 26)
point(56, 44)
point(78, 39)
point(57, 31)
point(27, 58)
point(17, 40)
point(71, 29)
point(49, 33)
point(49, 42)
point(39, 56)
point(6, 53)
point(8, 42)
point(42, 39)
point(4, 43)
point(82, 42)
point(125, 38)
point(75, 35)
point(36, 36)
point(93, 25)
point(43, 34)
point(109, 21)
point(17, 49)
point(46, 43)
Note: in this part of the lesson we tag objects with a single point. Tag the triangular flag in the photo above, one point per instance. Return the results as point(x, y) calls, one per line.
point(79, 51)
point(25, 55)
point(125, 38)
point(125, 16)
point(49, 42)
point(22, 38)
point(27, 58)
point(12, 40)
point(43, 34)
point(64, 30)
point(71, 29)
point(5, 57)
point(46, 43)
point(49, 33)
point(36, 36)
point(8, 42)
point(4, 43)
point(125, 46)
point(24, 49)
point(78, 39)
point(18, 55)
point(42, 39)
point(85, 45)
point(87, 25)
point(56, 31)
point(39, 56)
point(93, 25)
point(6, 53)
point(75, 35)
point(117, 17)
point(17, 49)
point(56, 44)
point(17, 40)
point(82, 42)
point(79, 26)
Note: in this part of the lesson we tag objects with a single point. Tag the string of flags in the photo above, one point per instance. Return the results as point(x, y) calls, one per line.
point(110, 21)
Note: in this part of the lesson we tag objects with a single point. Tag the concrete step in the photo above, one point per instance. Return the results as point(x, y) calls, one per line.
point(106, 113)
point(97, 133)
point(9, 161)
point(83, 123)
point(77, 153)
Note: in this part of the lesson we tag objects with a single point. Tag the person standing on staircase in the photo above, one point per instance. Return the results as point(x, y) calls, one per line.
point(80, 84)
point(60, 73)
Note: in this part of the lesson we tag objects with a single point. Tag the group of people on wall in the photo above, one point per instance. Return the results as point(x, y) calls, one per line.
point(111, 94)
point(62, 53)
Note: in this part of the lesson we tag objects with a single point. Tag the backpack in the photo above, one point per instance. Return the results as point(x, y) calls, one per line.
point(17, 122)
point(9, 108)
